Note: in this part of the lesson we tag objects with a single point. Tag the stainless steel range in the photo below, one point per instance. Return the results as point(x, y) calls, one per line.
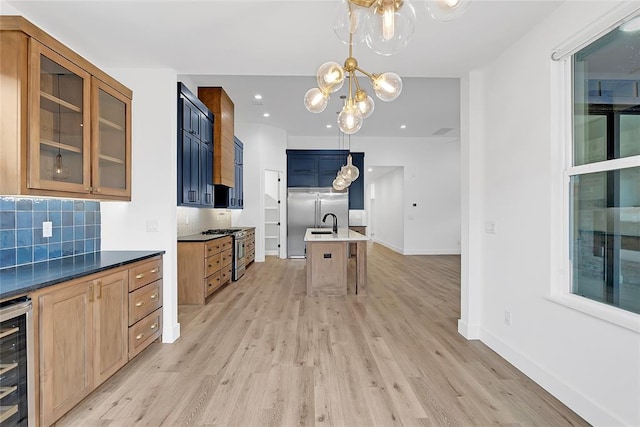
point(239, 235)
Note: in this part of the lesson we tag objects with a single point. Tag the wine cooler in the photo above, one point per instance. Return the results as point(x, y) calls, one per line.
point(16, 358)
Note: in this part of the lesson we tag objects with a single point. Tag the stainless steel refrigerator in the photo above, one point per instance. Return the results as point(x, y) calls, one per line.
point(305, 209)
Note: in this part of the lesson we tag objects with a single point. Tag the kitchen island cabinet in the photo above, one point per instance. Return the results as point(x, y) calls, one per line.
point(327, 261)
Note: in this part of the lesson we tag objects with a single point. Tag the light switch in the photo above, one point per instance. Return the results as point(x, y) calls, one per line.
point(47, 229)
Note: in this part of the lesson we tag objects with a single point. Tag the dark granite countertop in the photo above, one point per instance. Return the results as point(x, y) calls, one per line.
point(27, 278)
point(200, 237)
point(206, 237)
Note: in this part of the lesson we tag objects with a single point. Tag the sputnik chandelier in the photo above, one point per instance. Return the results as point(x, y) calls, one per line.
point(387, 27)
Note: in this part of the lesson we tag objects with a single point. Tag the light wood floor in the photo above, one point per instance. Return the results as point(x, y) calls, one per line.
point(263, 353)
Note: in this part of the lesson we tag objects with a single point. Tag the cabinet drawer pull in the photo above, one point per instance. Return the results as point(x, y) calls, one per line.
point(139, 336)
point(155, 270)
point(155, 325)
point(209, 266)
point(140, 304)
point(139, 276)
point(154, 296)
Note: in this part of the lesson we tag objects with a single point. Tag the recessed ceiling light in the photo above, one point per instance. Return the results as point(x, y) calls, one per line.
point(257, 96)
point(631, 25)
point(329, 126)
point(370, 170)
point(265, 115)
point(403, 126)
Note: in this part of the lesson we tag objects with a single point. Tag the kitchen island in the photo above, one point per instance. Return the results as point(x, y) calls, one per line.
point(327, 261)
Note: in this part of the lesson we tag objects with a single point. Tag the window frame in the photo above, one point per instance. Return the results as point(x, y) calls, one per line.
point(562, 125)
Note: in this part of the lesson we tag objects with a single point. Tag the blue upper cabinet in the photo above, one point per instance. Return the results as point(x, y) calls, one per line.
point(233, 197)
point(195, 151)
point(318, 168)
point(356, 189)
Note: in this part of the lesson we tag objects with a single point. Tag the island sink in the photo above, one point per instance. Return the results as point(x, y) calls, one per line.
point(322, 232)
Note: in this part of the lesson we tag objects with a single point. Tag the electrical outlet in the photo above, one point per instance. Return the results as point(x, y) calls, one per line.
point(47, 229)
point(490, 227)
point(507, 317)
point(152, 225)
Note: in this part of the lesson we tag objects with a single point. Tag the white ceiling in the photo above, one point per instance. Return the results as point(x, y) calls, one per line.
point(249, 46)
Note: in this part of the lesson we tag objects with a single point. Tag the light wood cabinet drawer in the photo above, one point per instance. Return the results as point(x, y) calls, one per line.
point(144, 300)
point(212, 264)
point(227, 243)
point(212, 247)
point(225, 274)
point(213, 282)
point(144, 332)
point(226, 257)
point(144, 274)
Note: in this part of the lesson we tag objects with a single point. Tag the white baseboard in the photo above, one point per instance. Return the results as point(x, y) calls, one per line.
point(588, 409)
point(172, 335)
point(470, 332)
point(433, 252)
point(390, 246)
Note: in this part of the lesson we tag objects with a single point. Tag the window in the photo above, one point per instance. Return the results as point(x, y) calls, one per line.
point(604, 172)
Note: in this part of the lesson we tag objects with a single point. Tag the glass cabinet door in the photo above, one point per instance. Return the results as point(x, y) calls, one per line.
point(111, 136)
point(59, 108)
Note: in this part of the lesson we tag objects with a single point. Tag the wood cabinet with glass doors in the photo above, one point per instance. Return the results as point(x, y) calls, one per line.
point(66, 125)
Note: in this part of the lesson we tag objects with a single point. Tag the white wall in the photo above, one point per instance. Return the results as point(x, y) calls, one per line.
point(387, 211)
point(264, 148)
point(124, 224)
point(592, 365)
point(431, 181)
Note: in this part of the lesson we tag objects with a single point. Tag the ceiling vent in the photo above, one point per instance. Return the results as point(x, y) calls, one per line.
point(442, 131)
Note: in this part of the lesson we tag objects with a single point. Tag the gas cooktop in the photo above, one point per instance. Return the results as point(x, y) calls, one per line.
point(222, 231)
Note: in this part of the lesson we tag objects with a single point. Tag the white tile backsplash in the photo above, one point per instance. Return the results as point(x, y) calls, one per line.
point(196, 220)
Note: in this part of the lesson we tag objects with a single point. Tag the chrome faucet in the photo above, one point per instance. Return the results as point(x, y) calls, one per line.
point(335, 221)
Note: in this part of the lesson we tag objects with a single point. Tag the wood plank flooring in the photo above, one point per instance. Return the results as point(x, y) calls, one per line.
point(262, 353)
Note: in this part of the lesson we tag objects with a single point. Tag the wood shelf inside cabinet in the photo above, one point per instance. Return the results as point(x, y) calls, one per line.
point(5, 391)
point(7, 411)
point(58, 101)
point(111, 124)
point(56, 145)
point(6, 332)
point(6, 367)
point(111, 159)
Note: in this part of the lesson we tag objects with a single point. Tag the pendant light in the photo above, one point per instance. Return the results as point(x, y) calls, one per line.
point(390, 26)
point(349, 172)
point(358, 105)
point(340, 182)
point(59, 171)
